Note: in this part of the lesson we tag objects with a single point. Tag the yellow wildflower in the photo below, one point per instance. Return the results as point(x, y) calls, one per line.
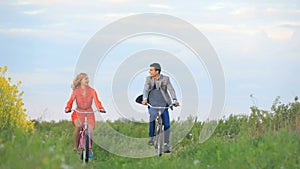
point(12, 113)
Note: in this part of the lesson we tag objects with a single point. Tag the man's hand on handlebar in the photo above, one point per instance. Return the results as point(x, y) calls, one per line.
point(176, 103)
point(144, 102)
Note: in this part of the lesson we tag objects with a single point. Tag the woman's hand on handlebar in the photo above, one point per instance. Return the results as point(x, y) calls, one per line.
point(67, 110)
point(102, 110)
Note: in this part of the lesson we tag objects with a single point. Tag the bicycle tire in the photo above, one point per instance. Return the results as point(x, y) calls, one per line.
point(86, 146)
point(159, 136)
point(160, 140)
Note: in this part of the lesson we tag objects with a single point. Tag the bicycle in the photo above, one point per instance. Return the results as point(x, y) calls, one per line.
point(159, 132)
point(85, 141)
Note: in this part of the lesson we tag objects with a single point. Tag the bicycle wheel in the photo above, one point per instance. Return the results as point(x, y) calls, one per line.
point(85, 152)
point(159, 140)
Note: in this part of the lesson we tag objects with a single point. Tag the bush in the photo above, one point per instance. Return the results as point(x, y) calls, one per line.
point(12, 113)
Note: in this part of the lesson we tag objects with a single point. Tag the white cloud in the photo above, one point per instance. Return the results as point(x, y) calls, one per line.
point(230, 28)
point(67, 3)
point(160, 6)
point(39, 78)
point(291, 25)
point(57, 25)
point(279, 33)
point(21, 3)
point(22, 31)
point(97, 17)
point(268, 13)
point(115, 16)
point(118, 1)
point(271, 10)
point(44, 33)
point(276, 31)
point(49, 3)
point(245, 13)
point(34, 12)
point(293, 11)
point(217, 6)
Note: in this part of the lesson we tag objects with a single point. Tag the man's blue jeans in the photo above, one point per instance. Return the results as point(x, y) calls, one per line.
point(165, 120)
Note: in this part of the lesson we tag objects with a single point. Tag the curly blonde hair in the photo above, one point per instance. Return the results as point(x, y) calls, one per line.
point(77, 80)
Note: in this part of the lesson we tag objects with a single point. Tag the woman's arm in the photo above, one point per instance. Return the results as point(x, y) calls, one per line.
point(97, 101)
point(70, 102)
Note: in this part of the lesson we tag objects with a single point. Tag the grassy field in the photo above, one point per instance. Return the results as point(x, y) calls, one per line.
point(265, 139)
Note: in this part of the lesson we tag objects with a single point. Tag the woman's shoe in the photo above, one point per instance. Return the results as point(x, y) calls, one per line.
point(91, 154)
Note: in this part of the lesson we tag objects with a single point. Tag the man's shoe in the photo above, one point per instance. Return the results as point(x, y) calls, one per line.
point(167, 149)
point(151, 142)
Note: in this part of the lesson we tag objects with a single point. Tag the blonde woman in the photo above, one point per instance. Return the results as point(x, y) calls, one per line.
point(84, 96)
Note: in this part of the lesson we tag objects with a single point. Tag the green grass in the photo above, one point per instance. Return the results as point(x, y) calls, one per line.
point(51, 147)
point(48, 147)
point(261, 140)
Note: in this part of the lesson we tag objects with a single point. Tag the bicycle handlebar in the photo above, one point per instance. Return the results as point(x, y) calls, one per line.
point(86, 112)
point(171, 106)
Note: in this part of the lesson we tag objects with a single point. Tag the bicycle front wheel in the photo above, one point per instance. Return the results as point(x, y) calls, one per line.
point(85, 152)
point(160, 140)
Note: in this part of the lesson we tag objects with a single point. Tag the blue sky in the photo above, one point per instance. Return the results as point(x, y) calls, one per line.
point(257, 43)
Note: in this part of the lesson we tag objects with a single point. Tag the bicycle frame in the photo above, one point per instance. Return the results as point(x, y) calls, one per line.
point(159, 132)
point(85, 137)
